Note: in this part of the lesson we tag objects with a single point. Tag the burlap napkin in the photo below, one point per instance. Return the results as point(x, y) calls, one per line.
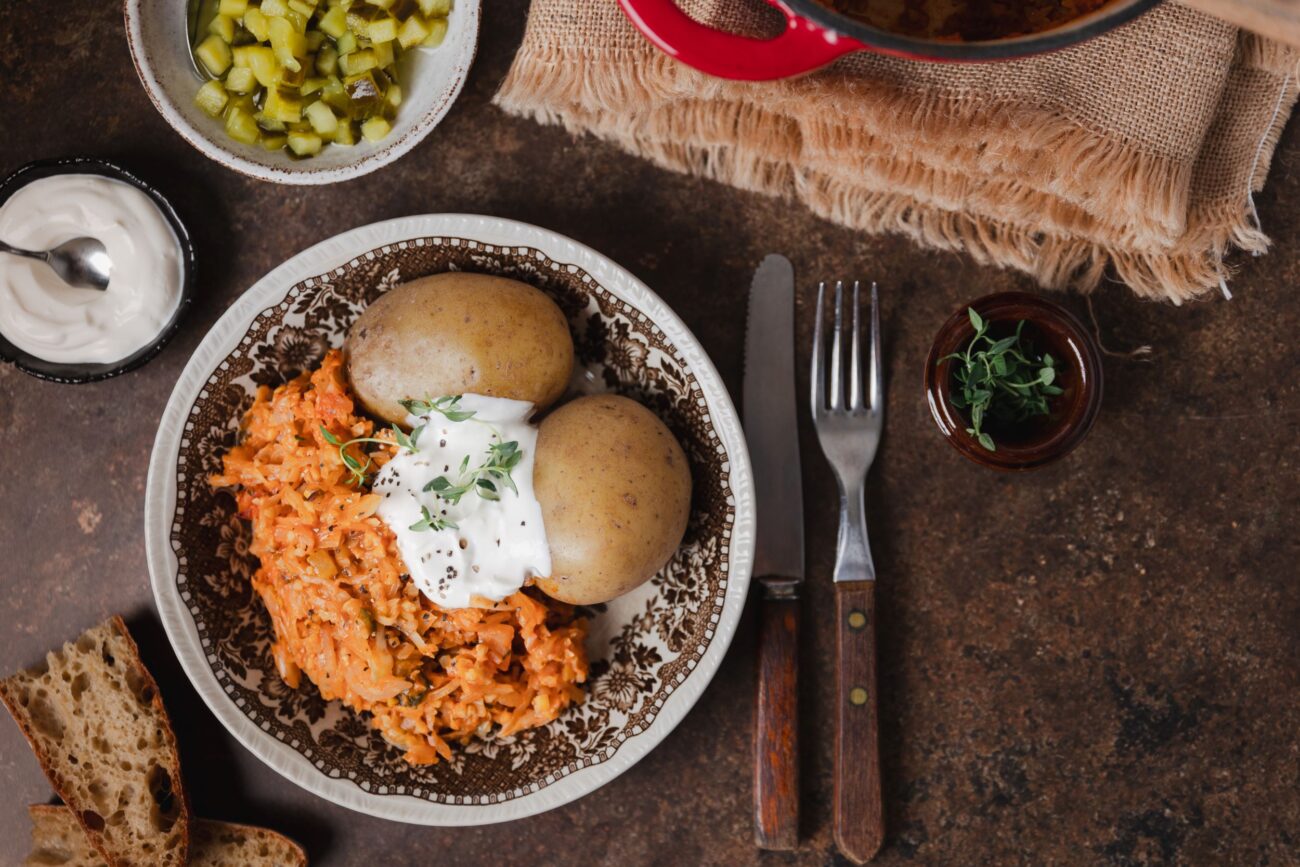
point(1138, 151)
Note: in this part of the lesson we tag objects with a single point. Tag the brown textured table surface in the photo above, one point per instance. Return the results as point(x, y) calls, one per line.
point(1095, 663)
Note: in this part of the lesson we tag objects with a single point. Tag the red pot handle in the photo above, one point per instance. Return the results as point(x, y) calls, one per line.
point(802, 47)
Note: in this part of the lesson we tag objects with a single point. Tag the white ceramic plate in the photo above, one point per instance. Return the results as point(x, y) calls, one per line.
point(431, 79)
point(652, 651)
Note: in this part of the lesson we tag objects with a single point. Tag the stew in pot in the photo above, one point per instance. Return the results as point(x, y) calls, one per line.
point(965, 20)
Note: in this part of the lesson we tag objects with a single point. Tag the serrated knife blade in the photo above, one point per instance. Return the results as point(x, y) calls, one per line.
point(771, 423)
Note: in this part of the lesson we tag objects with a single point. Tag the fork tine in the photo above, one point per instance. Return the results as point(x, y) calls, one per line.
point(877, 371)
point(817, 388)
point(855, 357)
point(837, 359)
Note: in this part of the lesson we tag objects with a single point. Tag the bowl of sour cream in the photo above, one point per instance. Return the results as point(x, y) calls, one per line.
point(64, 334)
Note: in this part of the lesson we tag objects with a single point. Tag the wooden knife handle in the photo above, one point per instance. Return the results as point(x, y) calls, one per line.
point(776, 735)
point(859, 818)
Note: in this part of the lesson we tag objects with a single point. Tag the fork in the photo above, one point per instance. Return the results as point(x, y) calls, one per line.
point(849, 425)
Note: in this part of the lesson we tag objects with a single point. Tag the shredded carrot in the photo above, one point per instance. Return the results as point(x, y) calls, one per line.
point(346, 613)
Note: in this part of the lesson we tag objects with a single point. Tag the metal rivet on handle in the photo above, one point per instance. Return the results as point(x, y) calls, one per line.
point(857, 619)
point(858, 695)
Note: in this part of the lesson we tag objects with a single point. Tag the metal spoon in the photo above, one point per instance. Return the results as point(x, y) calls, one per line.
point(82, 263)
point(192, 18)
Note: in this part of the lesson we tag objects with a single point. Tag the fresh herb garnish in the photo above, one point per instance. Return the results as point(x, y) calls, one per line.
point(430, 521)
point(448, 406)
point(1001, 379)
point(486, 479)
point(356, 468)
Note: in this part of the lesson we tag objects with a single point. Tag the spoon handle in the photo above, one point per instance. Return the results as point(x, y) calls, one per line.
point(18, 251)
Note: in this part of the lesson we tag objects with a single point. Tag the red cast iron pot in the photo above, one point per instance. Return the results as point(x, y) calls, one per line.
point(816, 35)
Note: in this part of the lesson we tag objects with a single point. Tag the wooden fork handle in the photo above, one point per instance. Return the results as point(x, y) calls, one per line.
point(776, 733)
point(859, 817)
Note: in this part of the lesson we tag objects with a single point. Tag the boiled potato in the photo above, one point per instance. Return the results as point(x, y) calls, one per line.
point(615, 492)
point(459, 333)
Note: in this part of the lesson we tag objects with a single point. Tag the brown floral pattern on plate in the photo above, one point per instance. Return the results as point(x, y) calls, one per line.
point(641, 646)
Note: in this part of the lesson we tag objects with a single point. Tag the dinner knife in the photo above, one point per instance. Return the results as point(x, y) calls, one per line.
point(772, 433)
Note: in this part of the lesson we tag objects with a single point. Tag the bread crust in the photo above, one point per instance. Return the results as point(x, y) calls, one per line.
point(204, 831)
point(63, 786)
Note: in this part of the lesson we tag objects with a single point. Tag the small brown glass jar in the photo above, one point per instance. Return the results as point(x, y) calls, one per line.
point(1049, 328)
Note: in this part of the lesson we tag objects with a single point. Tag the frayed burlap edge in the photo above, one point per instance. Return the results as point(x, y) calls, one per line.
point(1061, 240)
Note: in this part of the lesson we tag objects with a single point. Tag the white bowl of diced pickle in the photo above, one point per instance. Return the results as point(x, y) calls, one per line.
point(303, 91)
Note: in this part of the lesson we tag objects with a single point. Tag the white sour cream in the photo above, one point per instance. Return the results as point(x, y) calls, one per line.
point(44, 316)
point(495, 545)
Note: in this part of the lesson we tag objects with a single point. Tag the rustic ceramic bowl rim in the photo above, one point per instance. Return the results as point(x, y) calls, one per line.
point(1067, 437)
point(227, 334)
point(78, 373)
point(212, 142)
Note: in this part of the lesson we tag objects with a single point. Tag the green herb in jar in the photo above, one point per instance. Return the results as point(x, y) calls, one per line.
point(1003, 380)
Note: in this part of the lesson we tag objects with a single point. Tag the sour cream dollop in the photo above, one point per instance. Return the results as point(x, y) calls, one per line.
point(478, 550)
point(46, 317)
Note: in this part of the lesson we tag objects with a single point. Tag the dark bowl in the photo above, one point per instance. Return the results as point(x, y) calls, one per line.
point(76, 373)
point(1055, 330)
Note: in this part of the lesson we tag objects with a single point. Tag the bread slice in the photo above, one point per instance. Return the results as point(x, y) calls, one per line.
point(57, 840)
point(95, 719)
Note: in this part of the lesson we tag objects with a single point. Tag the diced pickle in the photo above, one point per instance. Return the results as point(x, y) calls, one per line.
point(327, 60)
point(322, 118)
point(257, 24)
point(437, 32)
point(243, 102)
point(282, 104)
point(223, 26)
point(333, 95)
point(298, 74)
point(382, 30)
point(212, 98)
point(334, 23)
point(375, 129)
point(358, 62)
point(413, 31)
point(346, 134)
point(287, 43)
point(241, 126)
point(304, 144)
point(361, 14)
point(292, 77)
point(365, 96)
point(240, 80)
point(214, 54)
point(261, 60)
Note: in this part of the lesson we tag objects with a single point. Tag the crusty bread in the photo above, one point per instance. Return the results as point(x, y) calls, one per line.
point(57, 840)
point(225, 844)
point(95, 719)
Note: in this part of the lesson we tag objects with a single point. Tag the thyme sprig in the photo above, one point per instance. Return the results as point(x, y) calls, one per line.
point(430, 521)
point(356, 469)
point(448, 406)
point(1001, 379)
point(486, 479)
